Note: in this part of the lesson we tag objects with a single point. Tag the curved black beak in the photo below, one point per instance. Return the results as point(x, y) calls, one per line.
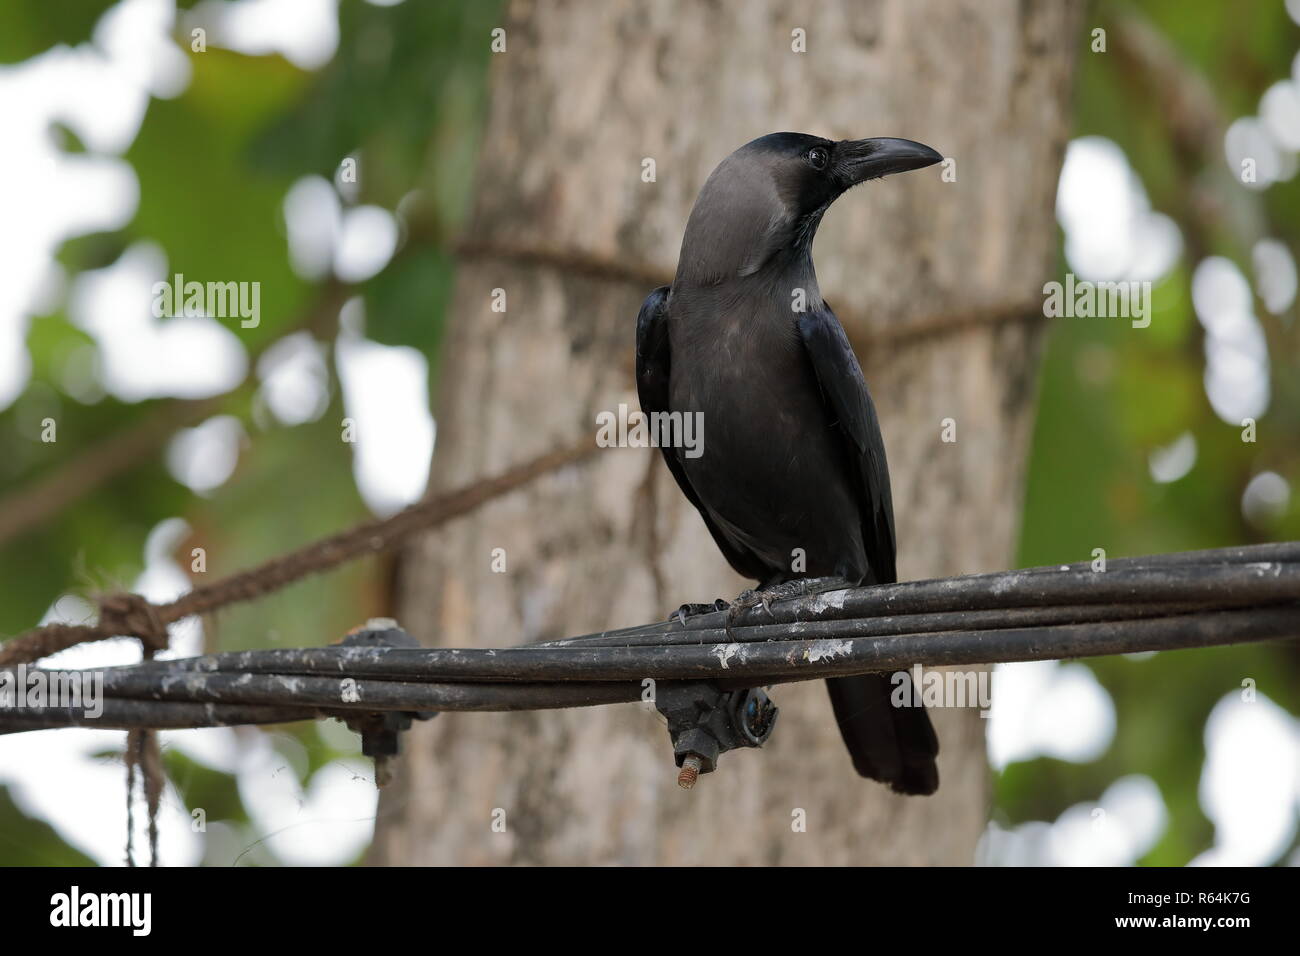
point(864, 159)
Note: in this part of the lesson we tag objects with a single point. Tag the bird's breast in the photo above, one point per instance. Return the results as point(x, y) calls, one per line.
point(771, 463)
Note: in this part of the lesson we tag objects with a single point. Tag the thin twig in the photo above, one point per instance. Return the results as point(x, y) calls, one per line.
point(135, 617)
point(48, 494)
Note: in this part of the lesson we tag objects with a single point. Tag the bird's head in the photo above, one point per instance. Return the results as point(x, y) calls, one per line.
point(770, 195)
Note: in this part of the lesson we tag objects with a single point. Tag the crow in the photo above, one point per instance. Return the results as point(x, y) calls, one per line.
point(791, 479)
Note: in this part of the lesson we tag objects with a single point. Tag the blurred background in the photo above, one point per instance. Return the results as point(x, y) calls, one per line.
point(135, 148)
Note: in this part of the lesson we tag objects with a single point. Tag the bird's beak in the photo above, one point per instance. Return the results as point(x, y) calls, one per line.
point(865, 159)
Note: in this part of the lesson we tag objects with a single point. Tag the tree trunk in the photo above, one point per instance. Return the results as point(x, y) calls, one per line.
point(939, 284)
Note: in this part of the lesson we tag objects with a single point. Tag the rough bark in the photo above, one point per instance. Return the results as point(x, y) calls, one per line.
point(939, 284)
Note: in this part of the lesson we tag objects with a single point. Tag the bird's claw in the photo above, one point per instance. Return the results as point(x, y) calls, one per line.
point(747, 599)
point(750, 597)
point(757, 597)
point(763, 597)
point(691, 610)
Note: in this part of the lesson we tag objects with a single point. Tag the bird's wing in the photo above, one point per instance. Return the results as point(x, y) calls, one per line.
point(894, 744)
point(848, 403)
point(653, 364)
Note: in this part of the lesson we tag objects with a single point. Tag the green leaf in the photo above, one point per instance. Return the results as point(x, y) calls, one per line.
point(29, 27)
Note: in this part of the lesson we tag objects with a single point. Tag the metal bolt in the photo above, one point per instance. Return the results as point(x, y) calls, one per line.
point(690, 771)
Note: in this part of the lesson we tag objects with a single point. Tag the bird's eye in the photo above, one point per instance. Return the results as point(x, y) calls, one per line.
point(817, 158)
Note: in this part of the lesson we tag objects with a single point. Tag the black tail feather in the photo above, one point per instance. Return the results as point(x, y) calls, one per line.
point(895, 745)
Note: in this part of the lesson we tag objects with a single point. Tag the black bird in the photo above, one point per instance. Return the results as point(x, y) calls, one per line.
point(792, 459)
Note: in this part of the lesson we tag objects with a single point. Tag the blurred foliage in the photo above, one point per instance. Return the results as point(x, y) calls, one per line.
point(31, 28)
point(28, 842)
point(1111, 394)
point(405, 97)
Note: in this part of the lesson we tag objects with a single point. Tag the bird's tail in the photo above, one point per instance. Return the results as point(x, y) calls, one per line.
point(895, 745)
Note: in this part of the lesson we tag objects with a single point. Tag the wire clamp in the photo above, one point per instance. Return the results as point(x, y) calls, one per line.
point(706, 721)
point(381, 730)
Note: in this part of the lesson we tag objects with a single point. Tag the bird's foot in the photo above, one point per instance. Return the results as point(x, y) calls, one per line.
point(774, 593)
point(750, 597)
point(692, 610)
point(802, 587)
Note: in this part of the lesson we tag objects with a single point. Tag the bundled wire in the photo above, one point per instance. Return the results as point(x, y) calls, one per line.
point(1166, 602)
